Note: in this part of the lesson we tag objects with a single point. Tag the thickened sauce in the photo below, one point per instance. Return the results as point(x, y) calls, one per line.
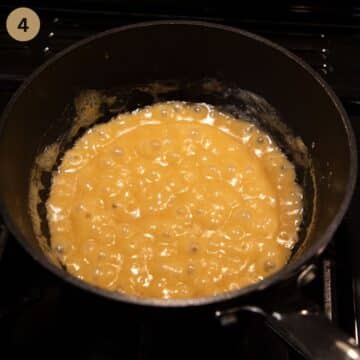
point(176, 200)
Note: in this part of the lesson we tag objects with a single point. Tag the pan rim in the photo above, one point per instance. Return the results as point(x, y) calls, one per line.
point(285, 273)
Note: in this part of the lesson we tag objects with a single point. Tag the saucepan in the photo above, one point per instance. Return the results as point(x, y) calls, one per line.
point(241, 73)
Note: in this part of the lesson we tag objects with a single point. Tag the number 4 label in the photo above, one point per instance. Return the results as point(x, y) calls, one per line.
point(23, 24)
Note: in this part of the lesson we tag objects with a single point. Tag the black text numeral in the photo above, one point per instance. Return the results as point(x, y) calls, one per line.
point(23, 25)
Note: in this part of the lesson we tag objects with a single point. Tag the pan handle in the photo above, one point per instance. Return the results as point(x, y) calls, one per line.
point(307, 330)
point(314, 336)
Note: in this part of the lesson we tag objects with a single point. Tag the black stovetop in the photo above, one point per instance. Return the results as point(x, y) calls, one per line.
point(45, 317)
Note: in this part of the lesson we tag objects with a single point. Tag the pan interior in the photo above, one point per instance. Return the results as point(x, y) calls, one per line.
point(94, 106)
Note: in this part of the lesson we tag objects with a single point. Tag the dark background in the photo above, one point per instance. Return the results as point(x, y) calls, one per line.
point(41, 316)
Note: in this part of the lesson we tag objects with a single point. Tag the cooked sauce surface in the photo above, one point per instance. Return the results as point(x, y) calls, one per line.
point(176, 200)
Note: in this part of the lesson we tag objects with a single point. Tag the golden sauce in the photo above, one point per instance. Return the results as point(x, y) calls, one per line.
point(176, 200)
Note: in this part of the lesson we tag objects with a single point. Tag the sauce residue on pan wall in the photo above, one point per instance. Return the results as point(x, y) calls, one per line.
point(87, 106)
point(176, 200)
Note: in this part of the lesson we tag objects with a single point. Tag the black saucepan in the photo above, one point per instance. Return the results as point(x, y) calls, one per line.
point(234, 70)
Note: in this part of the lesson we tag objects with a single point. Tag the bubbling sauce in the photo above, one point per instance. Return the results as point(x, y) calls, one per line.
point(175, 200)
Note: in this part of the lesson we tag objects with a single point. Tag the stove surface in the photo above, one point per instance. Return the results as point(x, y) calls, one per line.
point(39, 313)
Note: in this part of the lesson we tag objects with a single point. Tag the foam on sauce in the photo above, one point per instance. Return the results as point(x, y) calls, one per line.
point(176, 200)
